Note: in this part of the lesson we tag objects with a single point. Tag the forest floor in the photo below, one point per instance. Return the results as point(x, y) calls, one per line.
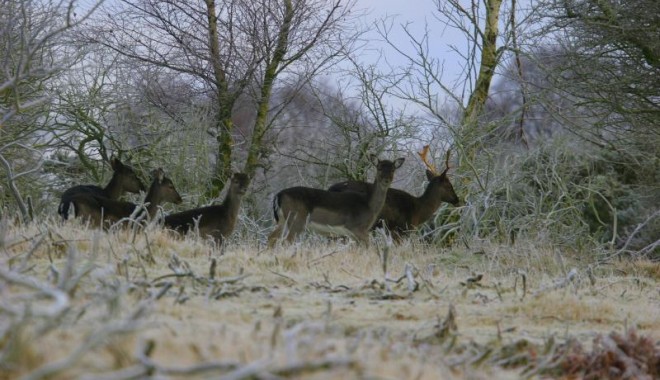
point(78, 303)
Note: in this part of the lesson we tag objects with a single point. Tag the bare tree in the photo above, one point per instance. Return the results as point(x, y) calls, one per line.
point(449, 110)
point(612, 57)
point(228, 50)
point(610, 52)
point(488, 57)
point(527, 117)
point(32, 55)
point(338, 128)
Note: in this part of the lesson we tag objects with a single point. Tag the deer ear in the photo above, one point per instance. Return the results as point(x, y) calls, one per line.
point(398, 162)
point(373, 159)
point(429, 175)
point(115, 164)
point(240, 178)
point(158, 175)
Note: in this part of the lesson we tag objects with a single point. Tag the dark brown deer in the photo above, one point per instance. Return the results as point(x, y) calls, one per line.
point(217, 221)
point(343, 213)
point(101, 211)
point(402, 211)
point(124, 180)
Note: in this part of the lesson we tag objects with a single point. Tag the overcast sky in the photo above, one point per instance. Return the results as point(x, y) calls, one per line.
point(416, 14)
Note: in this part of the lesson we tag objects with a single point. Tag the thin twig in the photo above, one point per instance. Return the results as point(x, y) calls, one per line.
point(60, 299)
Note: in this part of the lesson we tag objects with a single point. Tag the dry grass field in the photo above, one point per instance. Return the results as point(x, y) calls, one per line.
point(79, 303)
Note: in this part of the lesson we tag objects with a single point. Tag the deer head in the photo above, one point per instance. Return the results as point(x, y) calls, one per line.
point(439, 182)
point(124, 179)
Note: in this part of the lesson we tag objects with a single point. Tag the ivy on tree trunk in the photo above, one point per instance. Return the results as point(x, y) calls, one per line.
point(224, 124)
point(270, 74)
point(489, 59)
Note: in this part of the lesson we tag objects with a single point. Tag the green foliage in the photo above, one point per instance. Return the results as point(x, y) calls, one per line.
point(570, 197)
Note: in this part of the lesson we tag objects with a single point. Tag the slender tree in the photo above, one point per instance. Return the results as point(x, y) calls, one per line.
point(33, 53)
point(229, 50)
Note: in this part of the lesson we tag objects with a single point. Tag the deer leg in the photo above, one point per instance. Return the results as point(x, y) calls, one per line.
point(275, 235)
point(282, 218)
point(290, 225)
point(87, 214)
point(362, 238)
point(218, 238)
point(397, 236)
point(281, 229)
point(296, 225)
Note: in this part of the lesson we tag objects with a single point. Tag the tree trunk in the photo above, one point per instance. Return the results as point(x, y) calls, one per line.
point(224, 124)
point(225, 141)
point(489, 58)
point(270, 74)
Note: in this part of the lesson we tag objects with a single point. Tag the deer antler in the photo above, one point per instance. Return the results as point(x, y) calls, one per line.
point(422, 155)
point(447, 159)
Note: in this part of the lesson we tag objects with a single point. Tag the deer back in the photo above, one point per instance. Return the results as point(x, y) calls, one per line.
point(124, 180)
point(218, 221)
point(397, 209)
point(403, 211)
point(347, 213)
point(102, 211)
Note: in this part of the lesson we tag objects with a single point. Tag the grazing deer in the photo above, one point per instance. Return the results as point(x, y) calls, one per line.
point(101, 211)
point(217, 221)
point(124, 179)
point(403, 212)
point(347, 213)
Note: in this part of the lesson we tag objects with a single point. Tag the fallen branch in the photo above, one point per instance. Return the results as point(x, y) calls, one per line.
point(150, 366)
point(318, 259)
point(298, 369)
point(60, 298)
point(412, 284)
point(249, 371)
point(282, 275)
point(561, 283)
point(98, 338)
point(474, 281)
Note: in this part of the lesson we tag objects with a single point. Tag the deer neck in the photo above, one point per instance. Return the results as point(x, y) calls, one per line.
point(114, 189)
point(152, 200)
point(233, 204)
point(377, 198)
point(429, 202)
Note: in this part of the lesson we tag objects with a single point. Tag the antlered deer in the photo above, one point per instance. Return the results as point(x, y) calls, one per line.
point(124, 179)
point(101, 211)
point(348, 213)
point(403, 212)
point(218, 221)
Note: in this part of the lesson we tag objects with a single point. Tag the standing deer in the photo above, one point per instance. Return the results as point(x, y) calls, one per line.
point(404, 212)
point(346, 213)
point(218, 221)
point(101, 211)
point(124, 179)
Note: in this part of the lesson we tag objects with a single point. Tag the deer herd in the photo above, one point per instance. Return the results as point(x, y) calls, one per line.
point(350, 208)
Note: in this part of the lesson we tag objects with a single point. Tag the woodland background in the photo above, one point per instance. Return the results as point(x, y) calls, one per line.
point(550, 269)
point(553, 126)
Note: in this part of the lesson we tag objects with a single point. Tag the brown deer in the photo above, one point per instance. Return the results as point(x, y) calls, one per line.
point(404, 212)
point(101, 211)
point(216, 221)
point(124, 179)
point(344, 213)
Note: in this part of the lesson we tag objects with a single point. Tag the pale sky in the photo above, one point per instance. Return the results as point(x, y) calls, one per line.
point(418, 14)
